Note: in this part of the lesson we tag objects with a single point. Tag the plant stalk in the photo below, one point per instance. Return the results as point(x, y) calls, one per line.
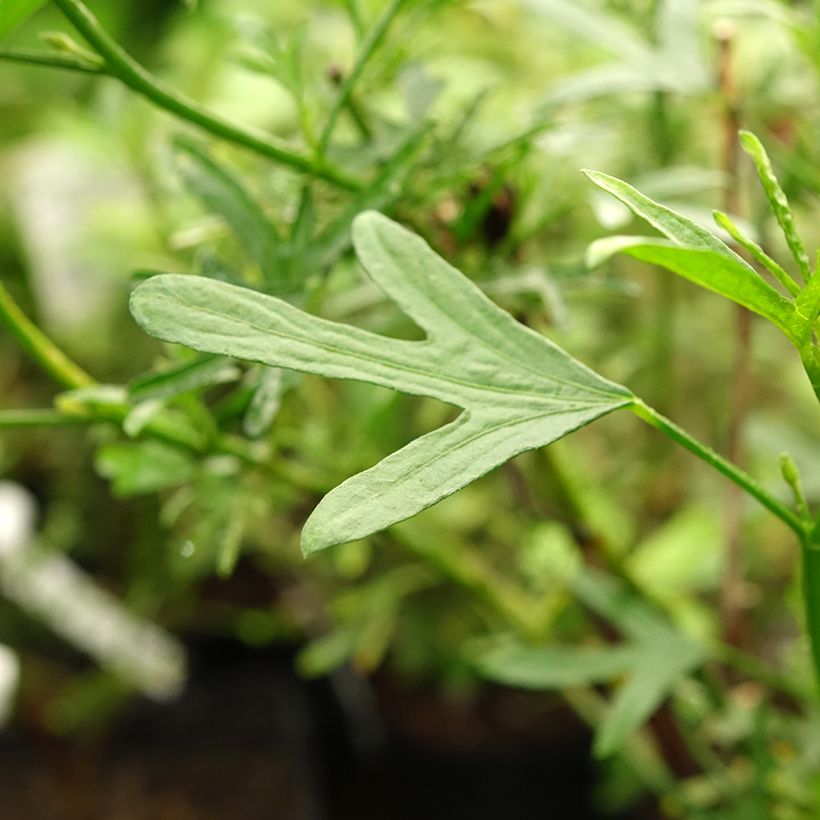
point(46, 60)
point(811, 599)
point(734, 473)
point(122, 66)
point(39, 346)
point(45, 417)
point(369, 48)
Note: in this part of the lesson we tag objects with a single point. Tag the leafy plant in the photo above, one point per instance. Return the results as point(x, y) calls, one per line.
point(586, 566)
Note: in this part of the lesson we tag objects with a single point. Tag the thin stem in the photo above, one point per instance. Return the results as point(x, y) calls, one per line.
point(811, 599)
point(369, 47)
point(46, 60)
point(121, 65)
point(45, 417)
point(355, 15)
point(760, 671)
point(732, 472)
point(39, 346)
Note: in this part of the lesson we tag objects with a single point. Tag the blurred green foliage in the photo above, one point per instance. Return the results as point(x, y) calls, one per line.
point(468, 122)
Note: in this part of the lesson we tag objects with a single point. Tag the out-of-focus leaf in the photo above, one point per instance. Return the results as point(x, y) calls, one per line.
point(653, 660)
point(144, 467)
point(596, 26)
point(265, 403)
point(222, 194)
point(682, 555)
point(15, 12)
point(203, 371)
point(379, 195)
point(518, 390)
point(555, 667)
point(679, 38)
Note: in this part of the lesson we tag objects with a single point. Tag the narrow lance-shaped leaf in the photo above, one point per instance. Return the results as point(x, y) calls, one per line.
point(694, 253)
point(756, 252)
point(777, 200)
point(518, 390)
point(222, 194)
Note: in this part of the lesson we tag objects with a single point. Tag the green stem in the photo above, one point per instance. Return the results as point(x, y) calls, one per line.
point(811, 599)
point(46, 60)
point(39, 346)
point(758, 670)
point(355, 15)
point(37, 418)
point(733, 473)
point(121, 65)
point(369, 47)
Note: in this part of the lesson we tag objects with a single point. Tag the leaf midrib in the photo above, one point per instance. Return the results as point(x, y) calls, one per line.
point(469, 333)
point(479, 386)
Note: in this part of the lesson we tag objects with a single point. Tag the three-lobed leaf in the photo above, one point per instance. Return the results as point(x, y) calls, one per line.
point(518, 390)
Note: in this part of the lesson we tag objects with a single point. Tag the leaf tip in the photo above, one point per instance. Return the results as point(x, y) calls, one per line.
point(749, 142)
point(316, 537)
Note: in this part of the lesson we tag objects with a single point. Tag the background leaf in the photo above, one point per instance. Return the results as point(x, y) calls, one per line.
point(15, 12)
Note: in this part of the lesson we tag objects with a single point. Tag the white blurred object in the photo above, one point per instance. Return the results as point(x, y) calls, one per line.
point(9, 679)
point(51, 588)
point(17, 512)
point(58, 191)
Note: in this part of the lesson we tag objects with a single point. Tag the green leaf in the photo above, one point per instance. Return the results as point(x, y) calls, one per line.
point(203, 371)
point(14, 13)
point(681, 230)
point(144, 467)
point(654, 659)
point(518, 390)
point(597, 26)
point(265, 403)
point(722, 274)
point(777, 200)
point(222, 194)
point(807, 308)
point(700, 256)
point(554, 667)
point(756, 252)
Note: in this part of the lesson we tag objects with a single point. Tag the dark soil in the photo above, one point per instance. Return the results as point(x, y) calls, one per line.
point(250, 740)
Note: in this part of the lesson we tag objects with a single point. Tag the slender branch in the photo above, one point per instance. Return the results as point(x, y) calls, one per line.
point(39, 346)
point(811, 599)
point(759, 670)
point(369, 47)
point(355, 15)
point(122, 66)
point(45, 417)
point(45, 59)
point(732, 472)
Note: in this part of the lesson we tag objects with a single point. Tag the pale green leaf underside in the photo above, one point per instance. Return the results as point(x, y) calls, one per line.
point(519, 391)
